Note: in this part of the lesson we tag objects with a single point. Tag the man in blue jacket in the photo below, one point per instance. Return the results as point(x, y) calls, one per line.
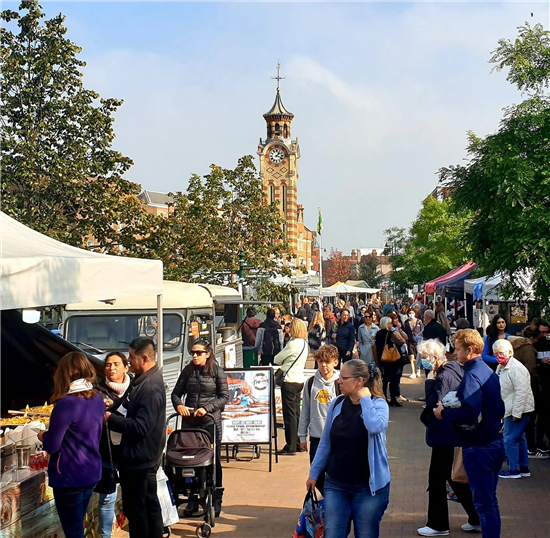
point(479, 418)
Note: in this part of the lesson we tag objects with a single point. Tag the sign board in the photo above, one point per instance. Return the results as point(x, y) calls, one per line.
point(247, 418)
point(518, 313)
point(195, 329)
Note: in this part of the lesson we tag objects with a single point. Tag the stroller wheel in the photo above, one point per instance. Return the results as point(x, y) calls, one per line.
point(204, 531)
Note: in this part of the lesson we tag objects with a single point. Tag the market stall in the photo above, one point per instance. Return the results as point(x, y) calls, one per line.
point(37, 271)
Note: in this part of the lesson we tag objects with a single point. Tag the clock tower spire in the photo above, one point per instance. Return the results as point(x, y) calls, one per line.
point(279, 156)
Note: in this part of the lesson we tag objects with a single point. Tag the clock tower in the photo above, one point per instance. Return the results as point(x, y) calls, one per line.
point(279, 156)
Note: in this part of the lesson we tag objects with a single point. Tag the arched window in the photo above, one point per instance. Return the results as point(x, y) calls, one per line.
point(284, 199)
point(277, 129)
point(271, 194)
point(285, 131)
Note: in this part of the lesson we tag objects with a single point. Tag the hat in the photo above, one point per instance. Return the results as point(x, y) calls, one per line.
point(462, 323)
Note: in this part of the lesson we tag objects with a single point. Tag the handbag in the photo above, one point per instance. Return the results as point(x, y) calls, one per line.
point(109, 477)
point(280, 375)
point(459, 472)
point(311, 523)
point(166, 499)
point(390, 354)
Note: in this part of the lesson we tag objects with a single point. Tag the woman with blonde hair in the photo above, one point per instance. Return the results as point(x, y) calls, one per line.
point(317, 334)
point(353, 453)
point(72, 440)
point(443, 377)
point(292, 360)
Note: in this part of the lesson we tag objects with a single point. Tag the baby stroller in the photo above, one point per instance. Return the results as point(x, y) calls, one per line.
point(190, 465)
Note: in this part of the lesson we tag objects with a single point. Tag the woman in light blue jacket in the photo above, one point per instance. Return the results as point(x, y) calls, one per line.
point(353, 452)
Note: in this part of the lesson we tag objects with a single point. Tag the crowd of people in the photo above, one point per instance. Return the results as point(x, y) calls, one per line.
point(489, 396)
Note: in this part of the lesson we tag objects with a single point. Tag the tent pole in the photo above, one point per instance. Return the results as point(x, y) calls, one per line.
point(160, 331)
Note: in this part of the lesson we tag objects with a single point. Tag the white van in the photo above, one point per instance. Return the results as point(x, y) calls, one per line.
point(190, 311)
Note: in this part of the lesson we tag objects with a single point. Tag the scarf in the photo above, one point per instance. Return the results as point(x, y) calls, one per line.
point(80, 385)
point(119, 388)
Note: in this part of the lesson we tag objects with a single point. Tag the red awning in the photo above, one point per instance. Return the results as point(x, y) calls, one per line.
point(429, 287)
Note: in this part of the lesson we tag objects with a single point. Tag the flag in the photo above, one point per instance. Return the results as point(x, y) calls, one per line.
point(320, 223)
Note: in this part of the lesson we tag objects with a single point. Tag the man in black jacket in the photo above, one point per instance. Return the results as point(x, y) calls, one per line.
point(433, 329)
point(140, 417)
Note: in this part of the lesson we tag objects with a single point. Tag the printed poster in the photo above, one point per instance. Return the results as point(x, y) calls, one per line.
point(247, 416)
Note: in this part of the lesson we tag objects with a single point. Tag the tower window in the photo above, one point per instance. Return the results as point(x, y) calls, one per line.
point(284, 198)
point(285, 131)
point(277, 129)
point(271, 194)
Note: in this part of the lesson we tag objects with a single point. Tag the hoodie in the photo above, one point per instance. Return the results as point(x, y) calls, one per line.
point(269, 325)
point(315, 405)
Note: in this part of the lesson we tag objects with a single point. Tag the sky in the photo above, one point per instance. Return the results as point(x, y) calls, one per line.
point(383, 93)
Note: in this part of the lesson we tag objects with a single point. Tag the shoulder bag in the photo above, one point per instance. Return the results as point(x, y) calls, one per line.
point(390, 354)
point(280, 375)
point(109, 477)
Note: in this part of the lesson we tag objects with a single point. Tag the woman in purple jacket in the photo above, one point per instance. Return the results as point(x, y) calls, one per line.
point(72, 440)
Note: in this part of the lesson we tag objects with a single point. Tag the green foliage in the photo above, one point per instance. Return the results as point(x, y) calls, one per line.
point(528, 58)
point(369, 271)
point(505, 184)
point(432, 246)
point(267, 291)
point(218, 215)
point(59, 173)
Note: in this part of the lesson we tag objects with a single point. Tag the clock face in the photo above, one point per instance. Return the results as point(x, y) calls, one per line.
point(276, 155)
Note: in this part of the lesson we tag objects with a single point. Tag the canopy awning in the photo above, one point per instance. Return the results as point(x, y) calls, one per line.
point(488, 287)
point(451, 277)
point(37, 270)
point(339, 287)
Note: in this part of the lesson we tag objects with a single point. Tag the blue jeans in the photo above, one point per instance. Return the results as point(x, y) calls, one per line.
point(482, 464)
point(515, 442)
point(356, 502)
point(106, 513)
point(71, 505)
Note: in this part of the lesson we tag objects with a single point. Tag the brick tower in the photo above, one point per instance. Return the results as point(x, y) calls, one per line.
point(279, 156)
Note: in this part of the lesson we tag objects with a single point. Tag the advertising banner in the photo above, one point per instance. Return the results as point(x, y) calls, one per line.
point(247, 418)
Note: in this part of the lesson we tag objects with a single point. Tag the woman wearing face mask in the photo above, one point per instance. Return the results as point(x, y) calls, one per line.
point(413, 327)
point(496, 331)
point(443, 377)
point(515, 389)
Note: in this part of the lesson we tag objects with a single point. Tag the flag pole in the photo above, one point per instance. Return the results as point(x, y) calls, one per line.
point(320, 233)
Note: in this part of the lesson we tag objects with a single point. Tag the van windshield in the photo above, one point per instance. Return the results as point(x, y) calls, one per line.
point(114, 333)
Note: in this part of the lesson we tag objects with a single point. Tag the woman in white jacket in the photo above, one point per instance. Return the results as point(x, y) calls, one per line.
point(515, 389)
point(292, 360)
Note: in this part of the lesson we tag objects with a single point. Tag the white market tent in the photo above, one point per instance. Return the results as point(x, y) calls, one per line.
point(340, 288)
point(36, 270)
point(487, 288)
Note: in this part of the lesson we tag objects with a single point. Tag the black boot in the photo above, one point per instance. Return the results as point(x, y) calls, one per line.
point(192, 507)
point(217, 501)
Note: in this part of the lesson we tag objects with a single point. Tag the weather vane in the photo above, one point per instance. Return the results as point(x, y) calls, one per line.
point(278, 77)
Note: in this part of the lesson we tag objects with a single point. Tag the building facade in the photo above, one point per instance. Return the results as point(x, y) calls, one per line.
point(279, 154)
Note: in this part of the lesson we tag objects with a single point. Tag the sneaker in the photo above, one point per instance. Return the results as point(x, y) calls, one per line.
point(524, 471)
point(412, 376)
point(422, 399)
point(544, 450)
point(538, 454)
point(509, 474)
point(471, 528)
point(418, 373)
point(428, 531)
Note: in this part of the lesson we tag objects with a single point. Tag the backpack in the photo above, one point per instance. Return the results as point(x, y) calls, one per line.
point(271, 344)
point(310, 387)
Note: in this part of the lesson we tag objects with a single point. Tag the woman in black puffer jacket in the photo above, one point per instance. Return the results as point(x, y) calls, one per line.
point(204, 385)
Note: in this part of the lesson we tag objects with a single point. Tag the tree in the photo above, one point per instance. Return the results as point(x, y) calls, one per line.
point(336, 268)
point(59, 173)
point(220, 214)
point(369, 270)
point(431, 247)
point(505, 184)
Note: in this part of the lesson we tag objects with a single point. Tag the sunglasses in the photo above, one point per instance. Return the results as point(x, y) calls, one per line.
point(193, 353)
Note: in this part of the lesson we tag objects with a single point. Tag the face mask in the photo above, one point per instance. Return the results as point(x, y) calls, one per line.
point(502, 359)
point(411, 315)
point(426, 364)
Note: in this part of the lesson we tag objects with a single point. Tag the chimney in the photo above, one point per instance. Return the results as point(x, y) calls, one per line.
point(374, 253)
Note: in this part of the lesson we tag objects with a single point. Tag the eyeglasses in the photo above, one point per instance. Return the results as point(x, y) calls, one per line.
point(193, 353)
point(367, 317)
point(347, 377)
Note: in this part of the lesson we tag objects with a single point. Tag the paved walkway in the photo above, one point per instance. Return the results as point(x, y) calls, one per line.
point(262, 504)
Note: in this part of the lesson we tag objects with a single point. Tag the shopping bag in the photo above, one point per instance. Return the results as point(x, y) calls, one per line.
point(166, 500)
point(459, 473)
point(311, 523)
